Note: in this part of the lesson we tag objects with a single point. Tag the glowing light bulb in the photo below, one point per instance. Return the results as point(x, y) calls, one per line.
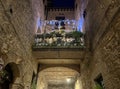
point(68, 80)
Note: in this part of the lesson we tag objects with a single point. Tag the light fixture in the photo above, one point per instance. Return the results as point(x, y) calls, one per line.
point(68, 80)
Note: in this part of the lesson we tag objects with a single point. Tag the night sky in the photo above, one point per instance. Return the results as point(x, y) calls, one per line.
point(63, 3)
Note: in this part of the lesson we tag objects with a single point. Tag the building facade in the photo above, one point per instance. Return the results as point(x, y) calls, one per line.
point(23, 67)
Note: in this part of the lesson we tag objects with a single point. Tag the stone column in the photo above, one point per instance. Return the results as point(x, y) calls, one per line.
point(17, 84)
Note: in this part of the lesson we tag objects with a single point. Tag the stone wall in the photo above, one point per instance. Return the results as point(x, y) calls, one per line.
point(18, 21)
point(102, 26)
point(67, 13)
point(99, 14)
point(38, 12)
point(42, 81)
point(61, 86)
point(78, 10)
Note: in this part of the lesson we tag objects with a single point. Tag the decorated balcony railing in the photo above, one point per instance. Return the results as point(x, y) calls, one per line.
point(59, 39)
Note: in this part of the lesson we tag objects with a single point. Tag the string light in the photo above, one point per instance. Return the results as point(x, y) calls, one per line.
point(60, 24)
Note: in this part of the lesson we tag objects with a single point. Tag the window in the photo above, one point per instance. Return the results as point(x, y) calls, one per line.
point(76, 6)
point(60, 18)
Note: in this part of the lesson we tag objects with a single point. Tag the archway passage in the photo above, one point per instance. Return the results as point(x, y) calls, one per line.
point(75, 67)
point(57, 77)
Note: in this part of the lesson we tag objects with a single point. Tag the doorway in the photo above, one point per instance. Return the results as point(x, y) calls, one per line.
point(7, 77)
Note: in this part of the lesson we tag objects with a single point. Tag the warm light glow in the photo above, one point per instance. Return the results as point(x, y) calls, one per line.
point(68, 80)
point(78, 84)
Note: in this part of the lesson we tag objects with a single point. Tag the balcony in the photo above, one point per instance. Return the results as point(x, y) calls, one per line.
point(59, 40)
point(62, 42)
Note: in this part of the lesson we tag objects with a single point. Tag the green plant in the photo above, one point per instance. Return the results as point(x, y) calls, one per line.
point(77, 34)
point(98, 86)
point(59, 39)
point(33, 86)
point(3, 76)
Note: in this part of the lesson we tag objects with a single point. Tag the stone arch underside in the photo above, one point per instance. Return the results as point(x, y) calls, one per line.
point(75, 67)
point(57, 75)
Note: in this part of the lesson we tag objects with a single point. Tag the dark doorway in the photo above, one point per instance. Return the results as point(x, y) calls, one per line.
point(7, 79)
point(99, 81)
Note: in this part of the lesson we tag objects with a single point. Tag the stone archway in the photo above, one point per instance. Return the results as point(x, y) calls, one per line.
point(15, 70)
point(56, 76)
point(11, 72)
point(75, 67)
